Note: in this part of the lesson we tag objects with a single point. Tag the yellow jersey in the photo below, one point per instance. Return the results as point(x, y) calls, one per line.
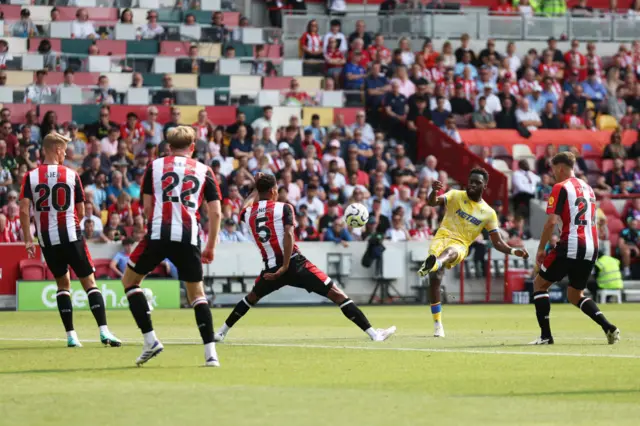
point(465, 219)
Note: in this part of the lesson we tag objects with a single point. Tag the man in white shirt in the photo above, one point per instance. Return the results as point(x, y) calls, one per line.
point(493, 105)
point(429, 170)
point(524, 183)
point(368, 135)
point(334, 32)
point(353, 185)
point(67, 82)
point(38, 92)
point(82, 28)
point(266, 120)
point(527, 117)
point(514, 60)
point(315, 207)
point(151, 29)
point(88, 215)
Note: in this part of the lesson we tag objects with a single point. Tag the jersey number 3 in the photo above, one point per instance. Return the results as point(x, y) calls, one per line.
point(174, 180)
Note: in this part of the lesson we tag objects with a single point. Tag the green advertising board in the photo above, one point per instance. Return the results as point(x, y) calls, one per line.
point(41, 295)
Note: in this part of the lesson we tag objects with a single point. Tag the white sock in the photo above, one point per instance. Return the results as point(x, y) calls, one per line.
point(224, 328)
point(150, 338)
point(210, 351)
point(627, 270)
point(73, 334)
point(439, 263)
point(372, 333)
point(104, 329)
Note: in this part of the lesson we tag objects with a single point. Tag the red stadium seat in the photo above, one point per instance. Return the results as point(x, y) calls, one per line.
point(349, 114)
point(11, 12)
point(48, 273)
point(231, 19)
point(540, 150)
point(609, 208)
point(112, 47)
point(224, 115)
point(32, 270)
point(80, 78)
point(18, 111)
point(273, 51)
point(174, 48)
point(62, 111)
point(615, 225)
point(102, 268)
point(607, 165)
point(276, 83)
point(98, 15)
point(56, 44)
point(629, 164)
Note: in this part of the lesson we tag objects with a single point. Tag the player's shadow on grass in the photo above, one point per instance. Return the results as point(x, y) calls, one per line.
point(560, 393)
point(520, 345)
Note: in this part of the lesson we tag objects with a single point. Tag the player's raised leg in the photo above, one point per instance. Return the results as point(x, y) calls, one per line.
point(204, 321)
point(139, 308)
point(65, 307)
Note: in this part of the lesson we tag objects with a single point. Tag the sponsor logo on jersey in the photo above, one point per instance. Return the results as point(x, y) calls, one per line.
point(466, 216)
point(551, 201)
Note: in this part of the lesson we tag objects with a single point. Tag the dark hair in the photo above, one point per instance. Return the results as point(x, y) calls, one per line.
point(132, 114)
point(312, 187)
point(267, 108)
point(567, 158)
point(480, 171)
point(127, 241)
point(335, 22)
point(265, 183)
point(69, 71)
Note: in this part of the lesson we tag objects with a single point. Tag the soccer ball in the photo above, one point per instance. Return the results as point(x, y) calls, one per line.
point(356, 215)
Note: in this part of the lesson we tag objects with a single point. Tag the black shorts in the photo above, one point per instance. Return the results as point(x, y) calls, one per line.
point(555, 267)
point(74, 254)
point(301, 274)
point(187, 259)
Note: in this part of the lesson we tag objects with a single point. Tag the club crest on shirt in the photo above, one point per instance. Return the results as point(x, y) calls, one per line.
point(551, 201)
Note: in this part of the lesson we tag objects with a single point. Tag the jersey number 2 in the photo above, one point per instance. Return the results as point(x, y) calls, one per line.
point(60, 197)
point(262, 230)
point(174, 180)
point(581, 204)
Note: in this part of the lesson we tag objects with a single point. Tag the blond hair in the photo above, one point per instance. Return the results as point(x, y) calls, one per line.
point(181, 137)
point(53, 140)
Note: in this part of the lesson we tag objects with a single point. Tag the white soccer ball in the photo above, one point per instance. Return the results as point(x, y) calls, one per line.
point(356, 215)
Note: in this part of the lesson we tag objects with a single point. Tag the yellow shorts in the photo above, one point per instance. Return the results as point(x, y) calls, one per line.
point(440, 244)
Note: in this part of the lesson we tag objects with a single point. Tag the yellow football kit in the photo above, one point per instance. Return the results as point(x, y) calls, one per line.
point(463, 221)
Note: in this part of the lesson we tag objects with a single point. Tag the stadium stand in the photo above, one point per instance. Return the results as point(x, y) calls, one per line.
point(261, 92)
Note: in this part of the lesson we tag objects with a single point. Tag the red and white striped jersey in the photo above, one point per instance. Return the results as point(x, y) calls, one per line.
point(266, 221)
point(437, 74)
point(178, 185)
point(54, 191)
point(575, 202)
point(311, 41)
point(526, 86)
point(470, 89)
point(548, 70)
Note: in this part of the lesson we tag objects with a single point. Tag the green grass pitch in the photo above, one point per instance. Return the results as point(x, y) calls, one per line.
point(311, 366)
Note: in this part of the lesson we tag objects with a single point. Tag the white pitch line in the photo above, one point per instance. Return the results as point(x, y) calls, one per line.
point(362, 348)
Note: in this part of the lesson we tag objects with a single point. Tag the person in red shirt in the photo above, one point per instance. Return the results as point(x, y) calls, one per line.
point(547, 67)
point(378, 47)
point(6, 236)
point(572, 120)
point(132, 131)
point(297, 96)
point(421, 231)
point(429, 53)
point(502, 8)
point(309, 141)
point(357, 46)
point(334, 58)
point(232, 205)
point(204, 127)
point(125, 209)
point(576, 61)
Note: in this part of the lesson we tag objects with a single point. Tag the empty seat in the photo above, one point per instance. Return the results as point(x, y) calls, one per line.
point(85, 114)
point(325, 114)
point(19, 78)
point(169, 15)
point(276, 83)
point(56, 44)
point(210, 5)
point(606, 122)
point(70, 95)
point(245, 83)
point(334, 98)
point(32, 270)
point(186, 97)
point(292, 67)
point(164, 65)
point(143, 47)
point(205, 97)
point(60, 29)
point(112, 47)
point(6, 94)
point(310, 84)
point(125, 31)
point(137, 96)
point(501, 166)
point(185, 81)
point(499, 151)
point(522, 151)
point(152, 80)
point(207, 81)
point(76, 46)
point(101, 64)
point(252, 36)
point(210, 50)
point(190, 33)
point(32, 62)
point(268, 97)
point(17, 45)
point(607, 165)
point(229, 66)
point(175, 48)
point(190, 114)
point(149, 4)
point(282, 115)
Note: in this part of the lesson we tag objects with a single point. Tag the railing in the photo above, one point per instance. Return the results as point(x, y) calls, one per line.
point(479, 25)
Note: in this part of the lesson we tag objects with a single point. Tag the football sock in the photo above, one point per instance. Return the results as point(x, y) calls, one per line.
point(63, 297)
point(353, 313)
point(543, 309)
point(210, 351)
point(204, 319)
point(96, 303)
point(437, 266)
point(436, 311)
point(627, 271)
point(590, 309)
point(238, 312)
point(140, 309)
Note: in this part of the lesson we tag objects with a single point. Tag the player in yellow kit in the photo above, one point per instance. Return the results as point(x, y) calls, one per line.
point(467, 214)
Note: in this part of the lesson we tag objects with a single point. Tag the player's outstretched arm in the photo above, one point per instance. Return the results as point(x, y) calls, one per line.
point(25, 224)
point(435, 200)
point(547, 232)
point(289, 241)
point(502, 247)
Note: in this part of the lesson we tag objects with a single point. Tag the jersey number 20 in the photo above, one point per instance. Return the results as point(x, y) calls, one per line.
point(174, 180)
point(60, 197)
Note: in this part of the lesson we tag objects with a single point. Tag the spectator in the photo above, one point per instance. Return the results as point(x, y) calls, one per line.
point(493, 105)
point(104, 94)
point(396, 108)
point(338, 233)
point(421, 230)
point(512, 58)
point(519, 232)
point(593, 88)
point(440, 114)
point(576, 61)
point(311, 46)
point(90, 233)
point(315, 207)
point(109, 144)
point(573, 120)
point(581, 9)
point(543, 164)
point(460, 105)
point(527, 117)
point(407, 88)
point(334, 58)
point(365, 128)
point(333, 213)
point(82, 28)
point(451, 130)
point(552, 47)
point(354, 73)
point(116, 187)
point(305, 231)
point(241, 144)
point(361, 32)
point(618, 179)
point(6, 236)
point(466, 63)
point(545, 186)
point(502, 8)
point(5, 56)
point(151, 30)
point(119, 262)
point(617, 105)
point(38, 92)
point(229, 233)
point(167, 94)
point(465, 42)
point(114, 231)
point(219, 33)
point(335, 32)
point(548, 118)
point(615, 149)
point(482, 119)
point(25, 27)
point(152, 129)
point(261, 66)
point(524, 183)
point(577, 97)
point(525, 9)
point(536, 101)
point(265, 121)
point(628, 245)
point(376, 86)
point(397, 232)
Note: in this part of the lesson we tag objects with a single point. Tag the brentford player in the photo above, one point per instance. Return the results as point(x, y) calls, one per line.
point(571, 205)
point(271, 225)
point(173, 189)
point(57, 198)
